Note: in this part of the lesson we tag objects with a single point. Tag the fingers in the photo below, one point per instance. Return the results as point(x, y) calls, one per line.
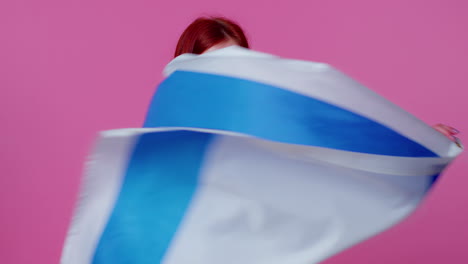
point(446, 130)
point(458, 142)
point(452, 130)
point(449, 132)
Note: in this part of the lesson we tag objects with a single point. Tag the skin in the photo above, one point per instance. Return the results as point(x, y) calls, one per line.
point(224, 44)
point(448, 131)
point(445, 130)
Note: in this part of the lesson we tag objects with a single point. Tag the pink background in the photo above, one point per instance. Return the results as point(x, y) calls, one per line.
point(71, 68)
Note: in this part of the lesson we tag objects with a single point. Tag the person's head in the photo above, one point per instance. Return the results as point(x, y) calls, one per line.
point(206, 34)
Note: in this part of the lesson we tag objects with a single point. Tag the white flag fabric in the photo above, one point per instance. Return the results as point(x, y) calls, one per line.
point(246, 157)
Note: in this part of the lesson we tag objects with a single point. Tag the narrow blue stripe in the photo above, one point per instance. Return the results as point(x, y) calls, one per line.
point(160, 181)
point(434, 179)
point(188, 99)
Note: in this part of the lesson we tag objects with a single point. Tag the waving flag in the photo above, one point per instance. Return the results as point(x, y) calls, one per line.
point(246, 157)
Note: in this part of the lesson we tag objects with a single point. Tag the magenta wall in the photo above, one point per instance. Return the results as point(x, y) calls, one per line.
point(71, 68)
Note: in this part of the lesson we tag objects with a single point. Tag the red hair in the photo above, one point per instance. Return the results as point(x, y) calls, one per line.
point(204, 33)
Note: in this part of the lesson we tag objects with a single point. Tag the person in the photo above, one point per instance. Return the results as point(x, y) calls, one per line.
point(207, 34)
point(202, 182)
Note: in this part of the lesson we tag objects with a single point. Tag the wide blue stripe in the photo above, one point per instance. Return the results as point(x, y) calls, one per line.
point(160, 181)
point(189, 99)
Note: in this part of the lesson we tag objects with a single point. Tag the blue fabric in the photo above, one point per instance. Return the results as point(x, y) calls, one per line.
point(189, 99)
point(161, 178)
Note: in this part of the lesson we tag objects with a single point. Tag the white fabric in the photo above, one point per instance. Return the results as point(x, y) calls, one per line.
point(318, 80)
point(260, 201)
point(255, 206)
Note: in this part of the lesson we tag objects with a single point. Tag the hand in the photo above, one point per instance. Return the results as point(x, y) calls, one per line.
point(449, 132)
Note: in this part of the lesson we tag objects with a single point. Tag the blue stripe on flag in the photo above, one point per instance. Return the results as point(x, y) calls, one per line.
point(189, 99)
point(160, 181)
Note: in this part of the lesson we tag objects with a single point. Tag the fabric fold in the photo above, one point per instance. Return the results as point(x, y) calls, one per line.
point(246, 157)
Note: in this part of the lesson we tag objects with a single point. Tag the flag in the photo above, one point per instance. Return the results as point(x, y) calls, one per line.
point(246, 157)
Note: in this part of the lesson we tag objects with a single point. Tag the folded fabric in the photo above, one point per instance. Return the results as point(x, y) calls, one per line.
point(246, 157)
